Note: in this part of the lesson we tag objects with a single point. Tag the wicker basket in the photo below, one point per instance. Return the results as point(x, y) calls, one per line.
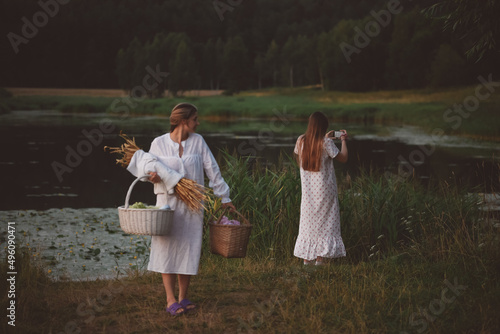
point(230, 241)
point(144, 221)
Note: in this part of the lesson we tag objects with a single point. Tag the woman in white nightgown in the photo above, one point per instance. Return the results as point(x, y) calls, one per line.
point(319, 230)
point(177, 255)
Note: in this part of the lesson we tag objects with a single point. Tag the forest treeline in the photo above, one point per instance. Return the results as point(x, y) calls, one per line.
point(231, 45)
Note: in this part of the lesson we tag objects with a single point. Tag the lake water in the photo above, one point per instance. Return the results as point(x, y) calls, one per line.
point(35, 142)
point(70, 221)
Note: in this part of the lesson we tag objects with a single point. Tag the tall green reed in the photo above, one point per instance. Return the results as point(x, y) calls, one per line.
point(269, 197)
point(379, 216)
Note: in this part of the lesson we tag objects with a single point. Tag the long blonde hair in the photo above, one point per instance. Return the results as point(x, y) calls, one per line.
point(182, 111)
point(312, 142)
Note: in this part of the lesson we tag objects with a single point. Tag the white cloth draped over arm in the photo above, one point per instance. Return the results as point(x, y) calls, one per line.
point(142, 163)
point(212, 170)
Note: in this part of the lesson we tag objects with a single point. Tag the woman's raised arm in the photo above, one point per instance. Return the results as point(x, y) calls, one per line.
point(343, 154)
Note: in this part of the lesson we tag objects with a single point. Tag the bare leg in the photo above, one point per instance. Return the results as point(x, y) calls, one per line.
point(183, 285)
point(183, 290)
point(169, 283)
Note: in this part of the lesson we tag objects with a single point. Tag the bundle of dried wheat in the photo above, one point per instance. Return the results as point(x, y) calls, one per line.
point(190, 192)
point(127, 150)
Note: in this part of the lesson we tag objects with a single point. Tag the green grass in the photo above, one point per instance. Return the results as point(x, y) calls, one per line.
point(77, 104)
point(385, 215)
point(423, 107)
point(433, 236)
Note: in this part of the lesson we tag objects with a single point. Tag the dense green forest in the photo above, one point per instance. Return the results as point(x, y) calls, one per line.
point(232, 45)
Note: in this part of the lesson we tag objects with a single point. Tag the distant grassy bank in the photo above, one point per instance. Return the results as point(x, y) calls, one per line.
point(418, 259)
point(425, 108)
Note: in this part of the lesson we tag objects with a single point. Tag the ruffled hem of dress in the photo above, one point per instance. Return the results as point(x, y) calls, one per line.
point(310, 249)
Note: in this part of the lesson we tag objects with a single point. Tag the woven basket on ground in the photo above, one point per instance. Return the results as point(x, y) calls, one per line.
point(144, 221)
point(230, 241)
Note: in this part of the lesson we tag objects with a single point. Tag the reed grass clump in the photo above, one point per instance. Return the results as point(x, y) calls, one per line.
point(270, 199)
point(379, 216)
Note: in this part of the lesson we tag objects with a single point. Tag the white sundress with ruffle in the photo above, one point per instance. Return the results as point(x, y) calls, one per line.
point(319, 230)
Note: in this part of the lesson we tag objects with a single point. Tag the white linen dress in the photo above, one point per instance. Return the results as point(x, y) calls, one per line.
point(319, 229)
point(180, 251)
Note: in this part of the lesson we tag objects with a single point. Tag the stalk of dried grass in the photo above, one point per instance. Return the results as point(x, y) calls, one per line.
point(127, 150)
point(192, 193)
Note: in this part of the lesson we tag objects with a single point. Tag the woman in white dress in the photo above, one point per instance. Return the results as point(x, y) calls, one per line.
point(319, 230)
point(177, 255)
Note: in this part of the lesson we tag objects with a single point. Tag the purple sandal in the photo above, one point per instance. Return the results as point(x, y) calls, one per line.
point(186, 303)
point(174, 309)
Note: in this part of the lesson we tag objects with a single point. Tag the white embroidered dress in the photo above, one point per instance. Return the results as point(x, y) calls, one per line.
point(180, 251)
point(319, 229)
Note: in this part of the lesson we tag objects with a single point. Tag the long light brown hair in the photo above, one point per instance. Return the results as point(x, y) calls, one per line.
point(182, 111)
point(312, 142)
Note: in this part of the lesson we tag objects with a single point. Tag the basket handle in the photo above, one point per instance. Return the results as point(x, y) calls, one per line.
point(224, 211)
point(129, 192)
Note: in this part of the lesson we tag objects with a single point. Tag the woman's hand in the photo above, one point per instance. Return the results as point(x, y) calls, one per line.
point(230, 206)
point(331, 134)
point(344, 136)
point(155, 178)
point(343, 155)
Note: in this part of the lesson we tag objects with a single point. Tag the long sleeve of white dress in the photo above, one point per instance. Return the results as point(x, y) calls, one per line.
point(142, 163)
point(216, 182)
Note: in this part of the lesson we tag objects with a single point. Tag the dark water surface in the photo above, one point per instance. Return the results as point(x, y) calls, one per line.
point(36, 143)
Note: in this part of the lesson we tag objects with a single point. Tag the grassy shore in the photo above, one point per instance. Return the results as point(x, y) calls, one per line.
point(426, 108)
point(419, 259)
